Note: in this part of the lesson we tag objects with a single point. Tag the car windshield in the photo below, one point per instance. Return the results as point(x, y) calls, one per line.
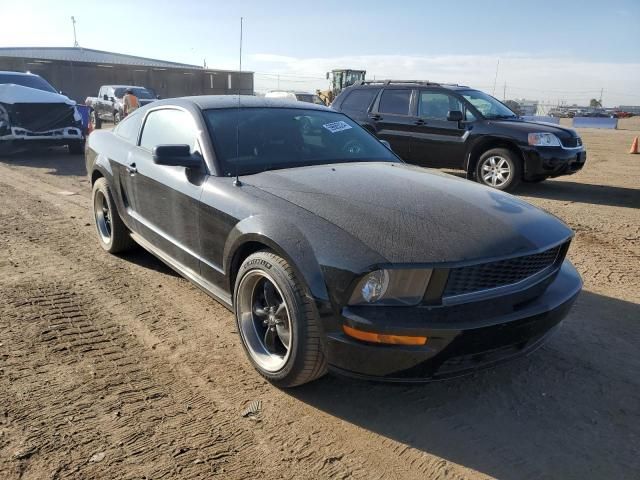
point(276, 138)
point(142, 93)
point(31, 81)
point(309, 98)
point(488, 106)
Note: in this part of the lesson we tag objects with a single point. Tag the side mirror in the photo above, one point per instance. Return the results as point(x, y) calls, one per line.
point(386, 144)
point(455, 116)
point(112, 99)
point(176, 156)
point(105, 97)
point(158, 97)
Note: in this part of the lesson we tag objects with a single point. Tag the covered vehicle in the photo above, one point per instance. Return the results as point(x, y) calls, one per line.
point(331, 251)
point(33, 112)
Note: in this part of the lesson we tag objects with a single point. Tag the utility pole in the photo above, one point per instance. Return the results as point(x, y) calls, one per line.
point(75, 39)
point(495, 79)
point(504, 92)
point(601, 90)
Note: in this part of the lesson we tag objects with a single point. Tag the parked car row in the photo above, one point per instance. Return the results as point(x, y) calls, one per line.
point(331, 251)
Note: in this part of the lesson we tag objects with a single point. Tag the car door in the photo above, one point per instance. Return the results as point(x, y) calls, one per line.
point(436, 141)
point(166, 197)
point(392, 119)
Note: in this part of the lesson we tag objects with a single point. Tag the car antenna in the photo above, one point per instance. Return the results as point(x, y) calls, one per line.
point(237, 182)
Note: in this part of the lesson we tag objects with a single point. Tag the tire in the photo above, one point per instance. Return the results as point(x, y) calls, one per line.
point(76, 148)
point(304, 359)
point(95, 119)
point(113, 235)
point(117, 117)
point(499, 168)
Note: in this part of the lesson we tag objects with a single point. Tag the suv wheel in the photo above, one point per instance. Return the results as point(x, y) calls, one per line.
point(499, 168)
point(95, 120)
point(112, 232)
point(277, 322)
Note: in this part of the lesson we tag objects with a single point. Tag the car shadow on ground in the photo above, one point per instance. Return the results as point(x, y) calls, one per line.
point(142, 258)
point(569, 410)
point(582, 193)
point(56, 159)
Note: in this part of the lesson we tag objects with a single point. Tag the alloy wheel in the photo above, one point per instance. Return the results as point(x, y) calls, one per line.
point(495, 171)
point(102, 215)
point(264, 321)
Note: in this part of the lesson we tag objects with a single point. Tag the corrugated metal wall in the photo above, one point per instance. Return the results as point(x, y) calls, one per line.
point(81, 80)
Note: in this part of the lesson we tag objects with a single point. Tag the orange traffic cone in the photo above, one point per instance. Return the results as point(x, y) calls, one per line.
point(634, 146)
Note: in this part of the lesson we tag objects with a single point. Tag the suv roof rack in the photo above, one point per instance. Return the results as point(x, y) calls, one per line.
point(405, 82)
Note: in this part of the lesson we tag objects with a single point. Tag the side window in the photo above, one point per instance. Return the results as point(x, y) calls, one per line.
point(437, 105)
point(129, 127)
point(359, 100)
point(101, 93)
point(395, 101)
point(168, 127)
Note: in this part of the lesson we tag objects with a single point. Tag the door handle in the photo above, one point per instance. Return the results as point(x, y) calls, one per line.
point(420, 122)
point(375, 117)
point(131, 169)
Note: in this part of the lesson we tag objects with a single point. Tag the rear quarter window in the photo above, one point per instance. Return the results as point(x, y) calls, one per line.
point(359, 100)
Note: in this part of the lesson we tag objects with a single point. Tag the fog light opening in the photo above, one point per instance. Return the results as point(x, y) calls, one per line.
point(383, 337)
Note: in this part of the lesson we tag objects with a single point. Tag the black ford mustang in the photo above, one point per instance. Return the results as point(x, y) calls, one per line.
point(331, 251)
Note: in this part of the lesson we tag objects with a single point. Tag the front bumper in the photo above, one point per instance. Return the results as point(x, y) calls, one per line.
point(552, 161)
point(19, 138)
point(472, 337)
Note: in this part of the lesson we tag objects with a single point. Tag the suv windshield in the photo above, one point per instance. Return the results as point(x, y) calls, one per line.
point(276, 138)
point(488, 106)
point(142, 93)
point(31, 81)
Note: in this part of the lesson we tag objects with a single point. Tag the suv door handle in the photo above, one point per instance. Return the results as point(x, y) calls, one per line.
point(131, 169)
point(420, 122)
point(375, 117)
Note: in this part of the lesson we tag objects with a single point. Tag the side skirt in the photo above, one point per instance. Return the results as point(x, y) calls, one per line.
point(209, 288)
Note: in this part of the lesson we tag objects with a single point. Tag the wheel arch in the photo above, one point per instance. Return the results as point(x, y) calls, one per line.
point(489, 143)
point(282, 238)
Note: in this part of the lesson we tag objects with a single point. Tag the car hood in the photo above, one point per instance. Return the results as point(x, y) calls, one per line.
point(527, 126)
point(409, 214)
point(11, 94)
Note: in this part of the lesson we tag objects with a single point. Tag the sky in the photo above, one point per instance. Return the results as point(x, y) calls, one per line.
point(550, 51)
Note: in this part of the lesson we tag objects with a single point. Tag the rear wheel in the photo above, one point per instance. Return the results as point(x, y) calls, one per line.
point(277, 322)
point(113, 234)
point(499, 168)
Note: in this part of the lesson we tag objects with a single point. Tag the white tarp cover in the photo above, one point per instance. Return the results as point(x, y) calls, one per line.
point(11, 93)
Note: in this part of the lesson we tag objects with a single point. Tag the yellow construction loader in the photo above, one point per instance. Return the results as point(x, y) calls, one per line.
point(340, 79)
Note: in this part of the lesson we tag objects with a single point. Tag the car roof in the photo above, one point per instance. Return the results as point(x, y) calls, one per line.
point(124, 86)
point(24, 74)
point(409, 84)
point(207, 102)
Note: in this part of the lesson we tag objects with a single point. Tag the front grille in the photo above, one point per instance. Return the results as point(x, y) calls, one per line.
point(571, 142)
point(40, 117)
point(476, 278)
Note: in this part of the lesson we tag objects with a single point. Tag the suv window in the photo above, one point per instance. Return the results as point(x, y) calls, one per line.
point(395, 101)
point(168, 127)
point(437, 105)
point(129, 127)
point(359, 100)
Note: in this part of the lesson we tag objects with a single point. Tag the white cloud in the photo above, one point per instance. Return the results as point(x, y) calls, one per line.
point(529, 76)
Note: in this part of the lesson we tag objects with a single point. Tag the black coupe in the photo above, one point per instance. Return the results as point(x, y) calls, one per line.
point(332, 252)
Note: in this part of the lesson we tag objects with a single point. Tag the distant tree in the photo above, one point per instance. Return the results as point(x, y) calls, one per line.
point(514, 106)
point(595, 103)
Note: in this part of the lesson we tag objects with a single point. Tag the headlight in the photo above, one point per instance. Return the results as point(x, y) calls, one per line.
point(544, 140)
point(391, 287)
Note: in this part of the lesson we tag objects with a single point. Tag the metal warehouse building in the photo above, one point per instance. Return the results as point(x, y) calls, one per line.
point(79, 72)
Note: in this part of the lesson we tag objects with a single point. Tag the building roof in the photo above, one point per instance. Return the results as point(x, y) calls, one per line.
point(88, 55)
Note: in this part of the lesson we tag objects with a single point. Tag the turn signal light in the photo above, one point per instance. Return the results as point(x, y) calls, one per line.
point(383, 338)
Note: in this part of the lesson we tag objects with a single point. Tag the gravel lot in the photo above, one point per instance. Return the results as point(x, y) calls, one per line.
point(118, 368)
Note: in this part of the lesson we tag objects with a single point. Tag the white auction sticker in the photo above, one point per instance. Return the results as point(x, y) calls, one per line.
point(334, 127)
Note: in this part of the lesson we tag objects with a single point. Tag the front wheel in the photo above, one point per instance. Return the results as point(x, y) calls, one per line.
point(499, 168)
point(95, 120)
point(117, 117)
point(277, 322)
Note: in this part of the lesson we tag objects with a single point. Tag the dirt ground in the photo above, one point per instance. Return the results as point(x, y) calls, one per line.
point(115, 367)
